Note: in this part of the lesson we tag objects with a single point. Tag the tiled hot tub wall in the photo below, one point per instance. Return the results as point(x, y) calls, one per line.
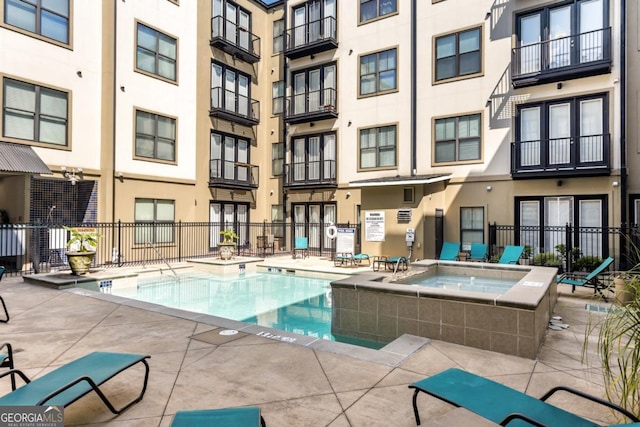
point(513, 323)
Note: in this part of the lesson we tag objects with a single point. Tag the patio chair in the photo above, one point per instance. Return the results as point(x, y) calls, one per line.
point(301, 245)
point(501, 404)
point(343, 258)
point(395, 263)
point(359, 258)
point(511, 254)
point(6, 361)
point(450, 251)
point(4, 306)
point(226, 417)
point(478, 252)
point(266, 244)
point(68, 383)
point(589, 281)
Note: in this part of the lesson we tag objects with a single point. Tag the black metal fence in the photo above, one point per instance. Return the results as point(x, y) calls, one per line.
point(29, 248)
point(568, 247)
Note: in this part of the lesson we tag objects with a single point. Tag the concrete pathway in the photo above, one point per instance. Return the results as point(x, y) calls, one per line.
point(193, 366)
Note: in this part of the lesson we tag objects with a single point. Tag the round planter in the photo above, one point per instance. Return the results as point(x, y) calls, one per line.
point(226, 250)
point(624, 294)
point(79, 262)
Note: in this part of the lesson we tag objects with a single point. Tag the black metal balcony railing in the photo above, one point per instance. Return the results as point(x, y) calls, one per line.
point(581, 155)
point(230, 105)
point(234, 39)
point(574, 56)
point(313, 105)
point(312, 37)
point(311, 174)
point(231, 174)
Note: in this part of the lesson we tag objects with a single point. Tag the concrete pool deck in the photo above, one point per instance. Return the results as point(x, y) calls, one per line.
point(194, 367)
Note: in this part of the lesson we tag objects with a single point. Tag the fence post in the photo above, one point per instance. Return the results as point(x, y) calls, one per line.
point(492, 238)
point(120, 243)
point(180, 241)
point(568, 247)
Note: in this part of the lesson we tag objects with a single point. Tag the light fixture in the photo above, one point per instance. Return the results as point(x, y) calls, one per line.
point(350, 51)
point(615, 183)
point(489, 188)
point(559, 85)
point(487, 15)
point(79, 73)
point(348, 194)
point(349, 124)
point(74, 176)
point(271, 193)
point(488, 103)
point(121, 175)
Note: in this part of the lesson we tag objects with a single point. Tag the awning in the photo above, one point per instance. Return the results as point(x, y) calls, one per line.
point(21, 159)
point(400, 180)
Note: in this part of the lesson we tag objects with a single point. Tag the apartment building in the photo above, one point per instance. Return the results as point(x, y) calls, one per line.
point(438, 117)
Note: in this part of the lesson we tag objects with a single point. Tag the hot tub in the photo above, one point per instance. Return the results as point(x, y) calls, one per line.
point(511, 320)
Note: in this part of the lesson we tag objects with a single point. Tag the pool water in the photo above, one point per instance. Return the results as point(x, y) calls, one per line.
point(287, 302)
point(467, 283)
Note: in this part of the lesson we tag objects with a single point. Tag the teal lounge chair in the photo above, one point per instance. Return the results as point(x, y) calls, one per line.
point(590, 281)
point(395, 263)
point(501, 404)
point(478, 252)
point(511, 254)
point(68, 383)
point(343, 259)
point(4, 306)
point(450, 251)
point(227, 417)
point(359, 258)
point(6, 361)
point(301, 245)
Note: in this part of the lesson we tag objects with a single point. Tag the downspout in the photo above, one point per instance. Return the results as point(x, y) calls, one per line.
point(623, 114)
point(414, 73)
point(114, 110)
point(284, 124)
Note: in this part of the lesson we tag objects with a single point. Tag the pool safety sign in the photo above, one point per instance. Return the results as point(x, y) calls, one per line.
point(374, 226)
point(345, 240)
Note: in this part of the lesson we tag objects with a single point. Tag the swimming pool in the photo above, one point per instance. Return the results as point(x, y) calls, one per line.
point(467, 283)
point(285, 301)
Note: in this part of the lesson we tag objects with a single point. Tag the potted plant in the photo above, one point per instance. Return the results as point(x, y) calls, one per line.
point(227, 247)
point(81, 248)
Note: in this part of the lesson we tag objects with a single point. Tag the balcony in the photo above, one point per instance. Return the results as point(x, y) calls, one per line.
point(310, 175)
point(572, 57)
point(561, 157)
point(231, 174)
point(311, 38)
point(229, 105)
point(234, 40)
point(311, 106)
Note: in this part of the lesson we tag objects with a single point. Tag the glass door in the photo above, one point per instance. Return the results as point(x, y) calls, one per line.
point(299, 160)
point(530, 38)
point(229, 156)
point(299, 93)
point(313, 159)
point(530, 136)
point(560, 37)
point(243, 34)
point(591, 34)
point(243, 160)
point(314, 21)
point(243, 96)
point(299, 26)
point(314, 90)
point(559, 134)
point(231, 23)
point(591, 131)
point(314, 226)
point(230, 91)
point(216, 86)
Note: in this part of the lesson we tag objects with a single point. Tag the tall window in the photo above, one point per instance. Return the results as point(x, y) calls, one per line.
point(228, 215)
point(156, 52)
point(378, 72)
point(229, 157)
point(154, 221)
point(277, 92)
point(458, 54)
point(457, 139)
point(47, 18)
point(312, 21)
point(565, 131)
point(378, 147)
point(371, 9)
point(233, 22)
point(561, 35)
point(277, 217)
point(155, 136)
point(278, 36)
point(314, 158)
point(277, 158)
point(230, 90)
point(471, 226)
point(34, 113)
point(314, 89)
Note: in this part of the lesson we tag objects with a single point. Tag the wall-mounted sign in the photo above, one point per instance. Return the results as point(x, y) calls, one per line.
point(374, 226)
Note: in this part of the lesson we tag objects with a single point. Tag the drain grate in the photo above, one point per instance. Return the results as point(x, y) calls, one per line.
point(597, 308)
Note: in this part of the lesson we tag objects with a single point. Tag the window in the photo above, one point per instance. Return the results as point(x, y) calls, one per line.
point(471, 226)
point(230, 90)
point(47, 18)
point(371, 9)
point(155, 136)
point(277, 217)
point(547, 133)
point(457, 139)
point(229, 158)
point(277, 158)
point(227, 215)
point(34, 113)
point(156, 53)
point(408, 195)
point(278, 97)
point(154, 221)
point(458, 54)
point(313, 21)
point(314, 158)
point(378, 147)
point(278, 36)
point(378, 72)
point(233, 23)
